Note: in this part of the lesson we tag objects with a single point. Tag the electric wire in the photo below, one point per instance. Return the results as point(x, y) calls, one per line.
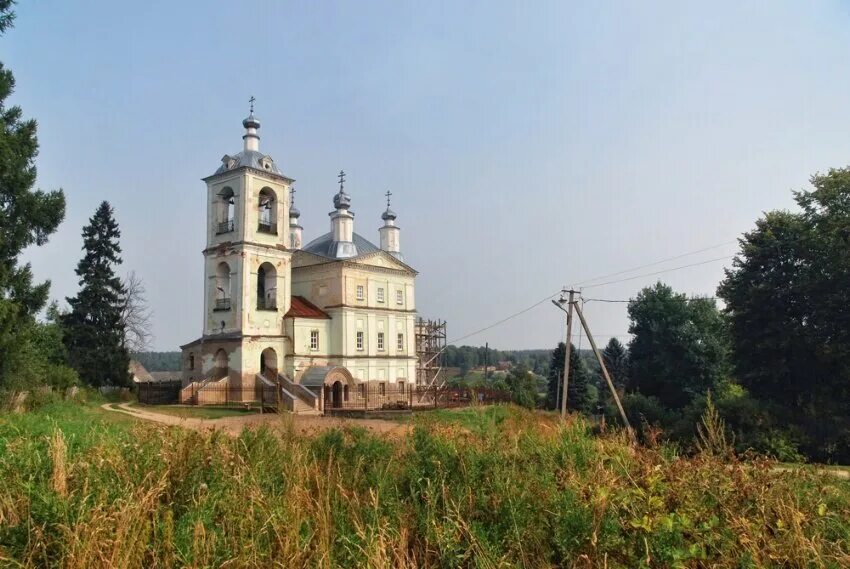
point(660, 272)
point(538, 303)
point(656, 263)
point(503, 320)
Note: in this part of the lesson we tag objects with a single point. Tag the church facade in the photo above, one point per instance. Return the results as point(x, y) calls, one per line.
point(316, 320)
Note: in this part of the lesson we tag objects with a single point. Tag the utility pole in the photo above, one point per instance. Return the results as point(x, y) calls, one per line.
point(486, 357)
point(567, 350)
point(605, 373)
point(560, 304)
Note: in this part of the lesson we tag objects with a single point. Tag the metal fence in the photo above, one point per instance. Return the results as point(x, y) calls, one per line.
point(365, 396)
point(378, 396)
point(211, 393)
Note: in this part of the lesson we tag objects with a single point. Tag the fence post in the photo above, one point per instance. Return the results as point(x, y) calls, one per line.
point(366, 396)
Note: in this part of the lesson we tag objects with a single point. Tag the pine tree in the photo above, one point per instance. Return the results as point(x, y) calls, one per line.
point(578, 396)
point(93, 330)
point(617, 362)
point(27, 217)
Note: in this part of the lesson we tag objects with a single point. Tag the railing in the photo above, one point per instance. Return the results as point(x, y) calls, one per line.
point(383, 396)
point(159, 393)
point(210, 394)
point(370, 396)
point(267, 304)
point(225, 227)
point(222, 304)
point(267, 227)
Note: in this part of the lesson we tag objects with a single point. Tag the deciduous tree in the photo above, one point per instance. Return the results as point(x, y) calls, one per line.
point(788, 301)
point(679, 347)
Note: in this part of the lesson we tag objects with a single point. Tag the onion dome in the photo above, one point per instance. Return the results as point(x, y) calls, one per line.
point(251, 121)
point(342, 200)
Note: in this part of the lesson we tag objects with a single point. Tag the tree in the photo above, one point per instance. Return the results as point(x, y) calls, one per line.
point(136, 314)
point(27, 217)
point(94, 333)
point(788, 303)
point(578, 396)
point(522, 385)
point(679, 347)
point(44, 357)
point(616, 360)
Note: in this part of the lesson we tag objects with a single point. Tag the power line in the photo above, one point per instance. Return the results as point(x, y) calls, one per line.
point(660, 272)
point(656, 263)
point(631, 299)
point(503, 320)
point(538, 303)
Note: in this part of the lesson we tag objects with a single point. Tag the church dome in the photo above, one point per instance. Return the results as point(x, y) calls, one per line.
point(342, 200)
point(251, 121)
point(294, 212)
point(389, 214)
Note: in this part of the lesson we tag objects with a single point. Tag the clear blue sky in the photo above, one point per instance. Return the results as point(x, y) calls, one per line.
point(528, 145)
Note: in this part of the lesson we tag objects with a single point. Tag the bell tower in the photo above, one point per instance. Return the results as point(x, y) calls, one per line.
point(247, 265)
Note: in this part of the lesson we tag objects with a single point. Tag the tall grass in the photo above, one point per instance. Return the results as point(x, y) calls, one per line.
point(480, 488)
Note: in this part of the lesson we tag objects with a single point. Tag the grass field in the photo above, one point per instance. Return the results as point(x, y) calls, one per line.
point(196, 412)
point(492, 487)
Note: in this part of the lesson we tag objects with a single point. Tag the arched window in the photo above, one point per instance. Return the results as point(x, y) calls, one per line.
point(191, 361)
point(266, 287)
point(226, 203)
point(222, 287)
point(267, 209)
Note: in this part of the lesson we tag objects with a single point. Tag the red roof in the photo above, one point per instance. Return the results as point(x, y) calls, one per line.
point(303, 308)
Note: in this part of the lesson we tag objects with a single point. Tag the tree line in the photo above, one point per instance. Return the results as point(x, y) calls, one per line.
point(775, 359)
point(108, 317)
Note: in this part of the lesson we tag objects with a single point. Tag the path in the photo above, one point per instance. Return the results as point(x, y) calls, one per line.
point(303, 424)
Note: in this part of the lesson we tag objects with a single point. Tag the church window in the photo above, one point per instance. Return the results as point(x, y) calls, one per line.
point(314, 340)
point(191, 361)
point(381, 341)
point(267, 209)
point(399, 296)
point(266, 287)
point(400, 342)
point(222, 287)
point(226, 204)
point(380, 294)
point(360, 340)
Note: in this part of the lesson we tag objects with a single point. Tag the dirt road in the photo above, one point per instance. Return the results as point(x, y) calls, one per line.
point(302, 424)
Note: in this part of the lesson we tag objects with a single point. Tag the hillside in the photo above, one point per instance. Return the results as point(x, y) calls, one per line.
point(475, 488)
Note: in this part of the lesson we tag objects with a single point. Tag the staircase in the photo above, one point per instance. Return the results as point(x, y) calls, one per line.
point(297, 398)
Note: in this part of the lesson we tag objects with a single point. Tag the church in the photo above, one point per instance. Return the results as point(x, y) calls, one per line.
point(315, 321)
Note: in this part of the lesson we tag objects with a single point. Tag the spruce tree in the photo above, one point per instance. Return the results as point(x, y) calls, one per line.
point(578, 396)
point(27, 217)
point(94, 333)
point(617, 362)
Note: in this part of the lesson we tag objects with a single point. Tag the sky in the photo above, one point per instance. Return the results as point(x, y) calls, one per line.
point(529, 146)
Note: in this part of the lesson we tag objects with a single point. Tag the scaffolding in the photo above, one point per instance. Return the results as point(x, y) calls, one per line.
point(430, 345)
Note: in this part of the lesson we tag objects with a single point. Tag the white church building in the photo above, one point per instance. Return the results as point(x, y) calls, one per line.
point(315, 320)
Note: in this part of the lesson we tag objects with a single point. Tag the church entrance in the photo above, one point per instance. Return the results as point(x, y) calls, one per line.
point(268, 364)
point(336, 395)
